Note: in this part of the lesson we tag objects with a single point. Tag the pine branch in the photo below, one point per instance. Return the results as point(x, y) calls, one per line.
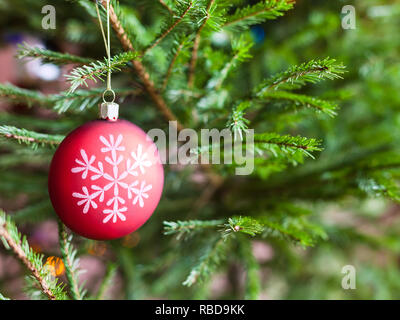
point(97, 70)
point(241, 48)
point(252, 268)
point(243, 18)
point(33, 261)
point(107, 281)
point(166, 6)
point(300, 100)
point(245, 225)
point(79, 100)
point(3, 298)
point(286, 143)
point(48, 56)
point(182, 228)
point(169, 27)
point(297, 76)
point(31, 138)
point(140, 69)
point(196, 44)
point(172, 63)
point(213, 256)
point(18, 95)
point(297, 230)
point(71, 262)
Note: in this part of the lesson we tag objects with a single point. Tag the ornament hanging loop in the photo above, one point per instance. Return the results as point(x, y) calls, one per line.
point(112, 95)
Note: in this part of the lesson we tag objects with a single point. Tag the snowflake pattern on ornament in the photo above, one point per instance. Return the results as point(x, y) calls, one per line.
point(138, 190)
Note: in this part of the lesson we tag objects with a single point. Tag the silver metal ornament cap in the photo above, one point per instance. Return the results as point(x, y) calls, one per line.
point(109, 111)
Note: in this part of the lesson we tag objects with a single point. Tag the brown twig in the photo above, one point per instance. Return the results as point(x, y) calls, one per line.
point(22, 256)
point(193, 60)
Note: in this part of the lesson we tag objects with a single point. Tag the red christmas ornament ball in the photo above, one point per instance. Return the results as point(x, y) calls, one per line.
point(106, 179)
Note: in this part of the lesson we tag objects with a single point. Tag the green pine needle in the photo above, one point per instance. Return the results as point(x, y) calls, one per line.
point(298, 76)
point(243, 18)
point(30, 138)
point(71, 263)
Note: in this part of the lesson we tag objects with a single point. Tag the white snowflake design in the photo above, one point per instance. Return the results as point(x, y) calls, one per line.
point(136, 191)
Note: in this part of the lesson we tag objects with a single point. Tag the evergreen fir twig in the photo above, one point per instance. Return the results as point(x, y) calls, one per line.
point(33, 261)
point(140, 69)
point(162, 2)
point(181, 228)
point(241, 49)
point(243, 18)
point(287, 142)
point(71, 262)
point(237, 121)
point(169, 28)
point(149, 85)
point(19, 95)
point(107, 281)
point(252, 268)
point(213, 256)
point(241, 224)
point(30, 137)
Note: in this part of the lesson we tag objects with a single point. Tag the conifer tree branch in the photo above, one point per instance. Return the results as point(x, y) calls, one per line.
point(98, 70)
point(241, 48)
point(180, 228)
point(196, 44)
point(208, 262)
point(169, 29)
point(149, 84)
point(19, 95)
point(301, 100)
point(71, 263)
point(3, 298)
point(162, 2)
point(49, 56)
point(287, 141)
point(297, 76)
point(9, 232)
point(264, 10)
